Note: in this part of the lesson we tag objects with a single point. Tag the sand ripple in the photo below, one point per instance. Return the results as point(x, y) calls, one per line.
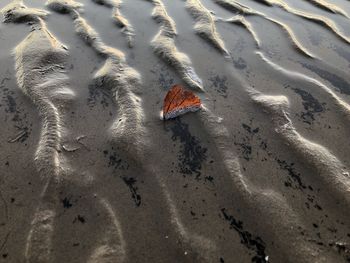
point(259, 174)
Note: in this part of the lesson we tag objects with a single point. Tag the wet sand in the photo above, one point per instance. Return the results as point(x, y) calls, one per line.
point(91, 173)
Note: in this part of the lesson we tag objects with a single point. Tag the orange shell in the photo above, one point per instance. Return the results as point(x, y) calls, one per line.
point(178, 101)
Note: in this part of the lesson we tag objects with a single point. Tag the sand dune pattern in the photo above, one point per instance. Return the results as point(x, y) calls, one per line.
point(255, 175)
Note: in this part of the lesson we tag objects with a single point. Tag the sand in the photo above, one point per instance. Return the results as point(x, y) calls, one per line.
point(90, 171)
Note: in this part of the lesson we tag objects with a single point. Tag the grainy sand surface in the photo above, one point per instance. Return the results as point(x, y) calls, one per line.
point(91, 173)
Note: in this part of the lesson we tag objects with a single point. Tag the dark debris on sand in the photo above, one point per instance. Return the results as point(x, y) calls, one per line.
point(311, 105)
point(338, 82)
point(17, 115)
point(131, 183)
point(220, 84)
point(192, 154)
point(251, 242)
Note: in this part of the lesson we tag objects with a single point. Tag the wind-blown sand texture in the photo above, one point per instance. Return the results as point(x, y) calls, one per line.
point(90, 171)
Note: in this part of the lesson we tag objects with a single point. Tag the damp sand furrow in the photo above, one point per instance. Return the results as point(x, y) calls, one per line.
point(129, 127)
point(40, 71)
point(344, 107)
point(289, 32)
point(163, 45)
point(127, 131)
point(242, 21)
point(241, 210)
point(318, 19)
point(205, 247)
point(122, 81)
point(119, 19)
point(17, 12)
point(205, 24)
point(322, 4)
point(246, 191)
point(245, 188)
point(134, 136)
point(111, 248)
point(264, 203)
point(327, 166)
point(235, 7)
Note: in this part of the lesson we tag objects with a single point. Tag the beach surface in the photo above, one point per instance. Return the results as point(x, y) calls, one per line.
point(90, 171)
